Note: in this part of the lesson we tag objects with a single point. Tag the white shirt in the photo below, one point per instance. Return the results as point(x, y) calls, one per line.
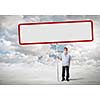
point(65, 59)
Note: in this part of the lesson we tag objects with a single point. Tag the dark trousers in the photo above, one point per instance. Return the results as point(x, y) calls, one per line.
point(65, 68)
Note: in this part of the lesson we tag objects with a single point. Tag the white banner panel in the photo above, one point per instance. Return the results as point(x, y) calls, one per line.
point(55, 32)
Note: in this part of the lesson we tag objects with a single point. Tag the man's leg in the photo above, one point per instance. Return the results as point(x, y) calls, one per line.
point(67, 70)
point(63, 73)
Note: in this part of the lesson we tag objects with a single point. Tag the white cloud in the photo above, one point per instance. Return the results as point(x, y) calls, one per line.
point(11, 52)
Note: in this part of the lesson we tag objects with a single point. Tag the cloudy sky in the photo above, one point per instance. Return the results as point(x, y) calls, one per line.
point(11, 52)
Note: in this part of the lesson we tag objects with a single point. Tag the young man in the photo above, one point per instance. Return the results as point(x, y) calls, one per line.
point(66, 58)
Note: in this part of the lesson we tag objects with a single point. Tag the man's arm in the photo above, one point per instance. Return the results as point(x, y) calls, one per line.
point(69, 59)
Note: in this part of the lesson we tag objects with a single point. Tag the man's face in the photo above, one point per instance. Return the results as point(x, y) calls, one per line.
point(65, 51)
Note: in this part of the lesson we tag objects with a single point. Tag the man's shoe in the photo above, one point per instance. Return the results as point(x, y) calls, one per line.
point(67, 79)
point(63, 80)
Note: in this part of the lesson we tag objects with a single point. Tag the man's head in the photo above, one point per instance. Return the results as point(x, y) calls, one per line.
point(65, 50)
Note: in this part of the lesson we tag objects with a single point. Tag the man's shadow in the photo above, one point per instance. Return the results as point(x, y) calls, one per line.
point(75, 79)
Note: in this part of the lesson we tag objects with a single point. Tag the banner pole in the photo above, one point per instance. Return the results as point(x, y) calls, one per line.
point(57, 65)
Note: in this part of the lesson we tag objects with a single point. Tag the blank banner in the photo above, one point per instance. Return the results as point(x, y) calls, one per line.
point(55, 32)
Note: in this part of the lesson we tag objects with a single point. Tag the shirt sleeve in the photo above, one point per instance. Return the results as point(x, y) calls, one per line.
point(70, 57)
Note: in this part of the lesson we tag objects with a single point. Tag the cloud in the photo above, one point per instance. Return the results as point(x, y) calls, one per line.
point(12, 52)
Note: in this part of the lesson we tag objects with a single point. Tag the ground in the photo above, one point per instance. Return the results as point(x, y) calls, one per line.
point(28, 74)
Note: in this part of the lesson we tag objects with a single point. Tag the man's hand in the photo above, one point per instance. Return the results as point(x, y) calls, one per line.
point(59, 58)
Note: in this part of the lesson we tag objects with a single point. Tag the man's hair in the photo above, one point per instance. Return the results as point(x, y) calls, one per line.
point(66, 48)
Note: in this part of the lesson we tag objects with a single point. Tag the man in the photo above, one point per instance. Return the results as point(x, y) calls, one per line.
point(66, 58)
